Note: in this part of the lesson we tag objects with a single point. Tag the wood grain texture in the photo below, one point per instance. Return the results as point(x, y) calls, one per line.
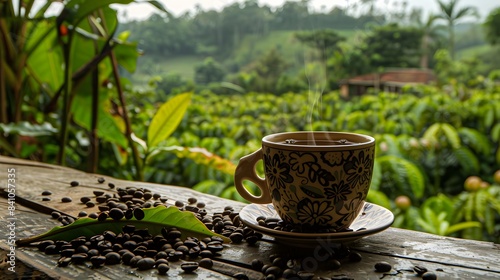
point(452, 258)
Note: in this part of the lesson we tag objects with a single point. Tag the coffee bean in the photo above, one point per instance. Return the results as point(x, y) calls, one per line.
point(51, 250)
point(189, 266)
point(192, 200)
point(200, 205)
point(101, 199)
point(100, 180)
point(206, 263)
point(103, 208)
point(78, 258)
point(90, 204)
point(55, 215)
point(273, 270)
point(163, 268)
point(240, 275)
point(98, 261)
point(335, 264)
point(93, 215)
point(116, 214)
point(74, 183)
point(147, 196)
point(111, 185)
point(236, 237)
point(134, 260)
point(112, 258)
point(252, 239)
point(63, 262)
point(145, 263)
point(129, 214)
point(429, 276)
point(138, 213)
point(160, 261)
point(206, 254)
point(289, 273)
point(82, 214)
point(84, 199)
point(383, 267)
point(93, 252)
point(98, 193)
point(46, 199)
point(156, 195)
point(257, 264)
point(43, 244)
point(175, 256)
point(67, 252)
point(102, 217)
point(128, 228)
point(355, 257)
point(179, 204)
point(66, 199)
point(46, 193)
point(305, 275)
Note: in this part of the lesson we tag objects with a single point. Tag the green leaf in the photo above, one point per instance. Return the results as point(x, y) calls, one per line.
point(495, 132)
point(107, 128)
point(475, 139)
point(79, 9)
point(167, 118)
point(45, 62)
point(127, 55)
point(467, 160)
point(461, 226)
point(199, 156)
point(405, 173)
point(451, 134)
point(431, 133)
point(154, 220)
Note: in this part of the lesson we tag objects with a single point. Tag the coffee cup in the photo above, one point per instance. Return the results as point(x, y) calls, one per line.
point(314, 179)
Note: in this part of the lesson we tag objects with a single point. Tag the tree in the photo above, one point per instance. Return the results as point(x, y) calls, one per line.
point(492, 26)
point(266, 71)
point(393, 46)
point(325, 41)
point(210, 71)
point(452, 15)
point(431, 32)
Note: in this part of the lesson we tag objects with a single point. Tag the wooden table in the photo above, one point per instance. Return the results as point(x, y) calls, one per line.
point(449, 258)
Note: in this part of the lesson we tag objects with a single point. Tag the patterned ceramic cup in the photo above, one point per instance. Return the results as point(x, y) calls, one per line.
point(314, 179)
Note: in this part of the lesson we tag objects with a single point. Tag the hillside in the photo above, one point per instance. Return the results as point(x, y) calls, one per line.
point(250, 48)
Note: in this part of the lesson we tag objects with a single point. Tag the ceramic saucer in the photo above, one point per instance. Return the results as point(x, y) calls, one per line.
point(371, 220)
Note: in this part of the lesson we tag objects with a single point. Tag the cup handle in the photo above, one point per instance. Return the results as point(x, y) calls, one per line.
point(246, 171)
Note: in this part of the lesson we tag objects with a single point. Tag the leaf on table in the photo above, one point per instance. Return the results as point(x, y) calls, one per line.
point(154, 220)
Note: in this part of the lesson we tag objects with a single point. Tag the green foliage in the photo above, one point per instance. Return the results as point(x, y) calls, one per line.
point(492, 26)
point(393, 46)
point(210, 71)
point(166, 119)
point(155, 219)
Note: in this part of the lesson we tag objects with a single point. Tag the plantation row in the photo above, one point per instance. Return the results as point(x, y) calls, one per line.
point(428, 143)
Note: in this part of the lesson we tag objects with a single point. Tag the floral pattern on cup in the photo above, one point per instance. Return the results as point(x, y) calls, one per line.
point(315, 191)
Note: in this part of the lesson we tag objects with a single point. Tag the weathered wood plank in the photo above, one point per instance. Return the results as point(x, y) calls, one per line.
point(457, 258)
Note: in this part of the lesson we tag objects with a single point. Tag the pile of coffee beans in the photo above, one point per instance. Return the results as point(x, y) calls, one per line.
point(136, 248)
point(278, 224)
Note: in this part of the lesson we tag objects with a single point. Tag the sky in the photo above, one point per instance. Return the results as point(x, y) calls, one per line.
point(178, 7)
